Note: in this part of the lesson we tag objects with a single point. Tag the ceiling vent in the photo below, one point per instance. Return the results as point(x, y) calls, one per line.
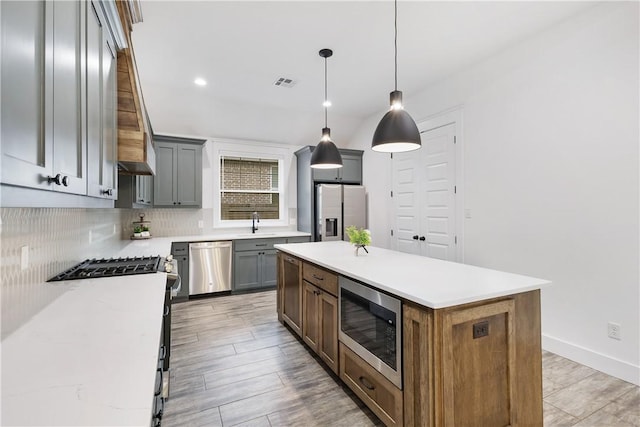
point(284, 82)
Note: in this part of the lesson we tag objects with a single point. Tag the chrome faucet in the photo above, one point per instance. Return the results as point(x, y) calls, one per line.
point(255, 218)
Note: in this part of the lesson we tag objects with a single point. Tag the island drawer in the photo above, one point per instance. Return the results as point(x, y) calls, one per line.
point(323, 279)
point(377, 392)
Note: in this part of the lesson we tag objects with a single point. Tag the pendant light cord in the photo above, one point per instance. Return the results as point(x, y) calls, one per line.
point(395, 41)
point(325, 92)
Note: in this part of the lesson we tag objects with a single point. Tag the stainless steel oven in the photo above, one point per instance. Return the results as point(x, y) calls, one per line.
point(371, 326)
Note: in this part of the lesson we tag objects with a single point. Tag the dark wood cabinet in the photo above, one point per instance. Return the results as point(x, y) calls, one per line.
point(291, 292)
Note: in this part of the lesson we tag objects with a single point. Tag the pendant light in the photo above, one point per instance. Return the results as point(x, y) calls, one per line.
point(397, 131)
point(326, 154)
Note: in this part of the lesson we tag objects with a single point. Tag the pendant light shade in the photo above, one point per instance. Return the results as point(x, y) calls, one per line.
point(397, 131)
point(326, 155)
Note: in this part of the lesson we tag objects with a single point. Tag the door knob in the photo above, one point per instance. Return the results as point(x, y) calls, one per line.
point(415, 237)
point(55, 179)
point(422, 238)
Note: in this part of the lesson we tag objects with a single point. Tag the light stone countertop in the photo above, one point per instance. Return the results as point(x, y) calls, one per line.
point(427, 281)
point(162, 245)
point(88, 358)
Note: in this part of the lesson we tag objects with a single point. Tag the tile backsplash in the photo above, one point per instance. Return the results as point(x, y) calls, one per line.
point(53, 239)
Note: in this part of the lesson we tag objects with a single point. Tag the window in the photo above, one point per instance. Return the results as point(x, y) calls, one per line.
point(249, 185)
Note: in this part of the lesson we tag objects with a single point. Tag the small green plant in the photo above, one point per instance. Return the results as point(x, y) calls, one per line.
point(145, 228)
point(137, 229)
point(358, 236)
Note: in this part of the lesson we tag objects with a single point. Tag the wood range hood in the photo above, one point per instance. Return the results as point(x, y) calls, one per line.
point(136, 152)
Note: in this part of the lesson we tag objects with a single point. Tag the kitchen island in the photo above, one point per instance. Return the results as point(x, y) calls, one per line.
point(471, 351)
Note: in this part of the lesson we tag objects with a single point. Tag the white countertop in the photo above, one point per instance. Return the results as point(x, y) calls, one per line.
point(88, 357)
point(162, 245)
point(426, 281)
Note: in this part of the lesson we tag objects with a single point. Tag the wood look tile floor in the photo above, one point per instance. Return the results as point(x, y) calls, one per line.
point(234, 364)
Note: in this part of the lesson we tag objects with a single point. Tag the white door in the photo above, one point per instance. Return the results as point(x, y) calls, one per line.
point(424, 195)
point(406, 202)
point(437, 193)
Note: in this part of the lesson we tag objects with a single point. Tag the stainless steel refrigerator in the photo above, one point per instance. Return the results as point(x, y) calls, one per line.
point(337, 207)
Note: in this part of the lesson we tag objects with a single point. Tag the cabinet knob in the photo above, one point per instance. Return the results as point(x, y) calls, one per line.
point(415, 237)
point(55, 179)
point(174, 203)
point(65, 181)
point(108, 192)
point(179, 203)
point(422, 238)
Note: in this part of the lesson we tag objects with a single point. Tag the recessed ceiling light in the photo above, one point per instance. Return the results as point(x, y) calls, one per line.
point(200, 82)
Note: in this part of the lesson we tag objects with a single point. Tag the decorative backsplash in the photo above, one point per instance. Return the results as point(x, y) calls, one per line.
point(55, 239)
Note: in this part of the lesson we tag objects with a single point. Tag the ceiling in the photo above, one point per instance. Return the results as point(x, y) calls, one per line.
point(241, 48)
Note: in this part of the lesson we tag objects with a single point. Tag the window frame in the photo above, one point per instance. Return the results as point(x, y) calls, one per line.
point(254, 150)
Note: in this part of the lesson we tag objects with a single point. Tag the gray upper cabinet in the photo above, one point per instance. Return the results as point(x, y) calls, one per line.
point(178, 180)
point(135, 191)
point(349, 173)
point(58, 103)
point(101, 107)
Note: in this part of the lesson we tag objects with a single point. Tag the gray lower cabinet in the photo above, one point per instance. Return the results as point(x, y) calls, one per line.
point(178, 180)
point(180, 252)
point(255, 262)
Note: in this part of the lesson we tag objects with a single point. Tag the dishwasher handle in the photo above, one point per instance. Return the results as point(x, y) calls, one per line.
point(210, 245)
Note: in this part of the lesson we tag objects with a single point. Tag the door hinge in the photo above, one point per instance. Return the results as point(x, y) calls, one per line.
point(454, 139)
point(392, 233)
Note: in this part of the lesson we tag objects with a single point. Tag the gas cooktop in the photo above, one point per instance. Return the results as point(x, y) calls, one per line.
point(94, 268)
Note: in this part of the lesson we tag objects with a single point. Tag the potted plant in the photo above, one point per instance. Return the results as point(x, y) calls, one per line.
point(359, 237)
point(145, 231)
point(137, 231)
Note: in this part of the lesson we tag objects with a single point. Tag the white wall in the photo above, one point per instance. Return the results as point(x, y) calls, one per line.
point(551, 156)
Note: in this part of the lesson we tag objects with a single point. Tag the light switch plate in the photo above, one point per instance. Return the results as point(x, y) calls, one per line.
point(24, 257)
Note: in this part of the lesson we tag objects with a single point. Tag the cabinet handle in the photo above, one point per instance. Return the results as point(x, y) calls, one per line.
point(261, 244)
point(366, 383)
point(166, 310)
point(108, 192)
point(415, 237)
point(422, 238)
point(55, 179)
point(291, 260)
point(317, 277)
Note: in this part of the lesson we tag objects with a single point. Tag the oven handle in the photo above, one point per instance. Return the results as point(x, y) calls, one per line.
point(366, 383)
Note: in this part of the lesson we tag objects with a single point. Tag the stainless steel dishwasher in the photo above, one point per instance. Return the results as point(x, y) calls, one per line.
point(209, 267)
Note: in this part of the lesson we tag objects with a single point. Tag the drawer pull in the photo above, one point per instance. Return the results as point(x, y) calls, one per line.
point(365, 382)
point(318, 277)
point(291, 260)
point(261, 244)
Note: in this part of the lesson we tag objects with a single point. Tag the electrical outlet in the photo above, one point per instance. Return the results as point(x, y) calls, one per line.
point(480, 329)
point(467, 213)
point(613, 330)
point(201, 224)
point(24, 257)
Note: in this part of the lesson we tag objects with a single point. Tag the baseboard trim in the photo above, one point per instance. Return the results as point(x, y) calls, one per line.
point(603, 363)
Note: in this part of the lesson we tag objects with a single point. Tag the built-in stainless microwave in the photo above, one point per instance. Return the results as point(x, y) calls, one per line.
point(371, 326)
